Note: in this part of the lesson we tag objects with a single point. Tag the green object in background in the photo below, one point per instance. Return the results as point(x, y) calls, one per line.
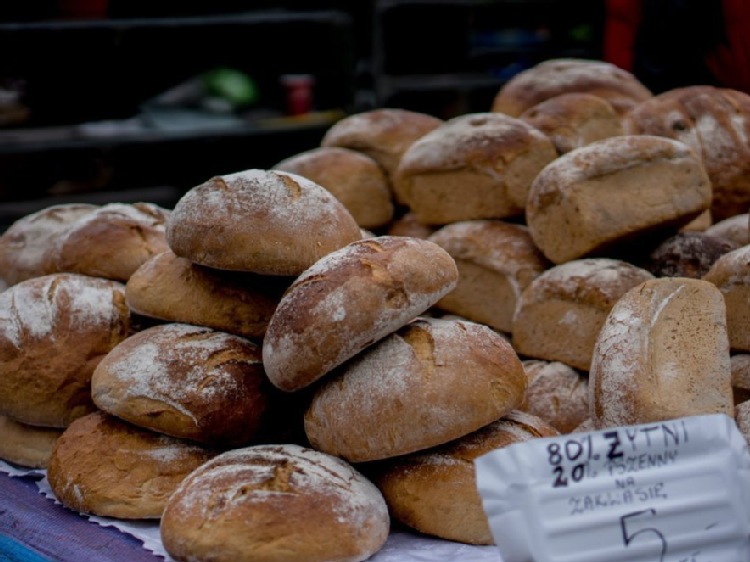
point(232, 85)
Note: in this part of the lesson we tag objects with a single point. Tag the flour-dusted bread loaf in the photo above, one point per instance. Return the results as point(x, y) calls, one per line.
point(54, 330)
point(575, 119)
point(742, 417)
point(554, 77)
point(604, 196)
point(112, 241)
point(186, 381)
point(731, 274)
point(275, 503)
point(352, 177)
point(740, 363)
point(715, 123)
point(435, 491)
point(24, 245)
point(174, 289)
point(350, 299)
point(736, 229)
point(663, 353)
point(104, 466)
point(259, 221)
point(474, 166)
point(687, 254)
point(383, 134)
point(559, 315)
point(496, 261)
point(556, 393)
point(408, 225)
point(26, 445)
point(430, 382)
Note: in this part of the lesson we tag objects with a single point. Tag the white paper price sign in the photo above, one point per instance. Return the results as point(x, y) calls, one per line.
point(672, 491)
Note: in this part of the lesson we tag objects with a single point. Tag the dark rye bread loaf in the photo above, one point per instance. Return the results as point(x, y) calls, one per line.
point(54, 330)
point(350, 299)
point(259, 221)
point(275, 503)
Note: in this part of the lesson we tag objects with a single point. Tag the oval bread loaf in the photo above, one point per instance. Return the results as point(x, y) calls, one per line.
point(26, 445)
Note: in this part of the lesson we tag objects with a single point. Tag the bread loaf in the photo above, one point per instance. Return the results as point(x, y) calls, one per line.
point(54, 330)
point(731, 274)
point(663, 353)
point(26, 445)
point(186, 381)
point(604, 197)
point(275, 503)
point(740, 363)
point(104, 466)
point(557, 394)
point(734, 228)
point(430, 382)
point(350, 299)
point(259, 221)
point(687, 254)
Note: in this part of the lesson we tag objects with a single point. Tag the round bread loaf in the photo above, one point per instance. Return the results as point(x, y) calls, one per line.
point(350, 299)
point(496, 261)
point(742, 417)
point(352, 177)
point(575, 119)
point(104, 466)
point(715, 123)
point(383, 134)
point(430, 382)
point(409, 225)
point(24, 245)
point(111, 241)
point(603, 196)
point(175, 289)
point(435, 491)
point(731, 274)
point(554, 77)
point(687, 254)
point(26, 445)
point(559, 315)
point(663, 353)
point(734, 228)
point(54, 330)
point(261, 221)
point(557, 394)
point(474, 166)
point(275, 503)
point(740, 363)
point(186, 381)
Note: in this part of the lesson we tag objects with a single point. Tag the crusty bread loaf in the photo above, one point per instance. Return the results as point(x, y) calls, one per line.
point(186, 381)
point(663, 353)
point(260, 221)
point(430, 382)
point(561, 312)
point(556, 393)
point(175, 289)
point(496, 261)
point(734, 228)
point(104, 466)
point(715, 123)
point(687, 254)
point(435, 491)
point(474, 166)
point(350, 299)
point(554, 77)
point(383, 134)
point(275, 503)
point(26, 445)
point(54, 330)
point(352, 177)
point(112, 241)
point(408, 225)
point(742, 417)
point(740, 363)
point(731, 274)
point(603, 196)
point(24, 245)
point(574, 119)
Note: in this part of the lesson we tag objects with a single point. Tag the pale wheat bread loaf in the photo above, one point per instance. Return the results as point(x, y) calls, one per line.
point(104, 466)
point(731, 274)
point(54, 330)
point(663, 353)
point(609, 196)
point(428, 383)
point(734, 228)
point(556, 393)
point(26, 445)
point(350, 299)
point(275, 503)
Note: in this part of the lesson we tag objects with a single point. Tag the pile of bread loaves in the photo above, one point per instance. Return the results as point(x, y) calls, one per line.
point(292, 360)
